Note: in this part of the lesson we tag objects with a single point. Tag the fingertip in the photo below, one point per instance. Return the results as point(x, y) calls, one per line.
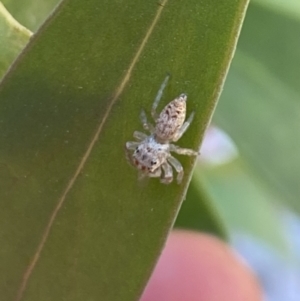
point(199, 267)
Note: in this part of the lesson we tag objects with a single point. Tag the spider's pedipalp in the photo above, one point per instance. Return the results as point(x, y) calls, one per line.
point(132, 145)
point(167, 177)
point(156, 173)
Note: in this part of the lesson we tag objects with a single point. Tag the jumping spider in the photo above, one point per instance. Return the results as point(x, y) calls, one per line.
point(152, 154)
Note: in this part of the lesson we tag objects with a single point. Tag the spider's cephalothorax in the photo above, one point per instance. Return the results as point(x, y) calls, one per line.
point(152, 154)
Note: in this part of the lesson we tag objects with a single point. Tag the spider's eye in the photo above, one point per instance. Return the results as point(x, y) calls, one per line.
point(153, 162)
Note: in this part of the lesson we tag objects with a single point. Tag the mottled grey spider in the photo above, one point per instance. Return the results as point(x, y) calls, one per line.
point(152, 154)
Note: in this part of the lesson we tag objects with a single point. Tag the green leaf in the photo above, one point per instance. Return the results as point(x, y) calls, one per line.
point(289, 8)
point(76, 224)
point(13, 38)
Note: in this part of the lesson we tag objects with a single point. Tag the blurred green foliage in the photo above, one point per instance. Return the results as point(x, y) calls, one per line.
point(260, 110)
point(13, 38)
point(260, 105)
point(30, 13)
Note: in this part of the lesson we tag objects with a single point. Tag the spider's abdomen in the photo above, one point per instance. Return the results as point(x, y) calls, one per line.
point(171, 119)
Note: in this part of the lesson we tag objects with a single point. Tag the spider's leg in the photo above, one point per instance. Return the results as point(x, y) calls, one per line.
point(178, 167)
point(139, 136)
point(183, 151)
point(158, 98)
point(156, 173)
point(147, 125)
point(132, 145)
point(184, 127)
point(167, 178)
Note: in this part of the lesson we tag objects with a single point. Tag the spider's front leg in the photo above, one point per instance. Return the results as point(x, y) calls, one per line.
point(158, 98)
